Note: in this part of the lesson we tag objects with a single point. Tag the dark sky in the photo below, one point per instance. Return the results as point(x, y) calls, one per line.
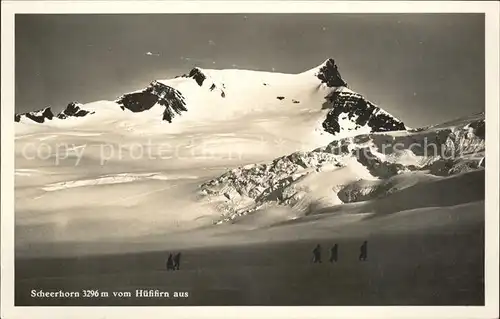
point(423, 68)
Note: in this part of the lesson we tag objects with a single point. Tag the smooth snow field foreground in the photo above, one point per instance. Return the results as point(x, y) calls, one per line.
point(442, 265)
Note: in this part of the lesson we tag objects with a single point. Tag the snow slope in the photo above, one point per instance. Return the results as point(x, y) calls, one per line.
point(355, 169)
point(130, 170)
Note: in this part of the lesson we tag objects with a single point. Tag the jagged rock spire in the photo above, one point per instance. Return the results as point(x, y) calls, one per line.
point(330, 75)
point(73, 110)
point(197, 75)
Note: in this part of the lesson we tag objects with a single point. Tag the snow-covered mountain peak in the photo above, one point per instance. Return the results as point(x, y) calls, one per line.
point(328, 73)
point(318, 99)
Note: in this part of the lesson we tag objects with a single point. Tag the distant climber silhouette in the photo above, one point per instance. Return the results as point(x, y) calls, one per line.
point(334, 253)
point(177, 261)
point(170, 263)
point(317, 254)
point(363, 251)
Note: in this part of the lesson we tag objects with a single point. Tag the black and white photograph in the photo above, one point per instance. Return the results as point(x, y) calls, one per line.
point(182, 158)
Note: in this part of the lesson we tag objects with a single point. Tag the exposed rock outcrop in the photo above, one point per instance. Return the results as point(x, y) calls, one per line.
point(197, 75)
point(74, 109)
point(348, 105)
point(39, 116)
point(156, 93)
point(330, 75)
